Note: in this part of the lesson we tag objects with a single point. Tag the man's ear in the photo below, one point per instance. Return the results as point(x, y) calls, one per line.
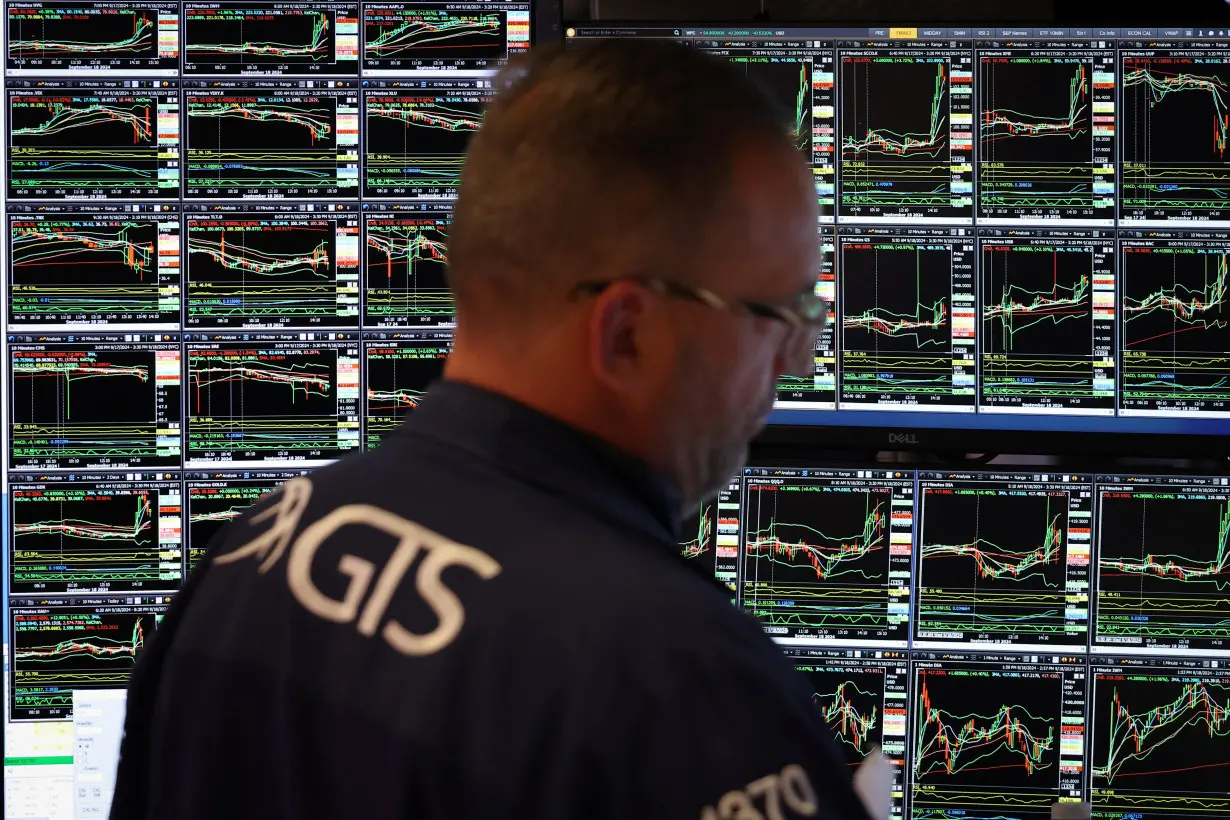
point(616, 333)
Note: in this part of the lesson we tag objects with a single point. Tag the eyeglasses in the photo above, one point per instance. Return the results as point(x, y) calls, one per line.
point(807, 310)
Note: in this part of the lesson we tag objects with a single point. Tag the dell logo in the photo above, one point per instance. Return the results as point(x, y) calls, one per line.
point(902, 438)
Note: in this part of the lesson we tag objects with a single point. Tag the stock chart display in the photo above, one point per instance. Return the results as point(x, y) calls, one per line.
point(94, 401)
point(406, 258)
point(906, 306)
point(817, 390)
point(272, 267)
point(399, 368)
point(271, 397)
point(443, 36)
point(906, 132)
point(92, 139)
point(100, 533)
point(1158, 728)
point(711, 535)
point(416, 134)
point(270, 139)
point(59, 644)
point(271, 38)
point(1003, 558)
point(50, 39)
point(996, 735)
point(864, 702)
point(1163, 563)
point(105, 266)
point(826, 554)
point(1048, 321)
point(211, 500)
point(1046, 132)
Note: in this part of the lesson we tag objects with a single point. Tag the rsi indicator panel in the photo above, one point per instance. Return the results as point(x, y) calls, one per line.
point(1163, 564)
point(1046, 132)
point(105, 533)
point(442, 36)
point(1047, 312)
point(906, 132)
point(272, 39)
point(270, 397)
point(93, 139)
point(863, 699)
point(996, 735)
point(94, 401)
point(416, 134)
point(906, 302)
point(271, 139)
point(1172, 155)
point(1159, 730)
point(398, 367)
point(59, 645)
point(98, 266)
point(271, 266)
point(405, 263)
point(1003, 558)
point(1174, 322)
point(711, 535)
point(818, 390)
point(213, 500)
point(826, 554)
point(56, 38)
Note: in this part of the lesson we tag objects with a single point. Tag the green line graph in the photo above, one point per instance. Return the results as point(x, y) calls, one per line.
point(925, 317)
point(830, 556)
point(928, 143)
point(1020, 308)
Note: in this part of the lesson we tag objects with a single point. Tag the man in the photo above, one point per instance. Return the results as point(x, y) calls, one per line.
point(488, 616)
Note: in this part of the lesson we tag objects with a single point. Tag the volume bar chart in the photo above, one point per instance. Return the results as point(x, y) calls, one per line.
point(826, 555)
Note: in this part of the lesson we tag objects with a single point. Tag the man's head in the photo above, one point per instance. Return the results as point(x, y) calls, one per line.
point(621, 162)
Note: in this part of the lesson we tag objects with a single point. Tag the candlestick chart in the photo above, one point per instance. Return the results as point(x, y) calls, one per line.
point(211, 506)
point(1161, 739)
point(57, 651)
point(1176, 326)
point(55, 36)
point(406, 271)
point(1043, 343)
point(1163, 566)
point(398, 374)
point(257, 404)
point(853, 712)
point(266, 273)
point(90, 539)
point(1173, 145)
point(817, 559)
point(416, 142)
point(899, 342)
point(76, 405)
point(90, 144)
point(90, 270)
point(398, 35)
point(789, 83)
point(1035, 135)
point(993, 565)
point(996, 736)
point(897, 131)
point(256, 37)
point(279, 144)
point(698, 533)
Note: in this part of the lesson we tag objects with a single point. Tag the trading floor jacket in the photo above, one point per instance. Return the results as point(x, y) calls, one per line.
point(487, 617)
